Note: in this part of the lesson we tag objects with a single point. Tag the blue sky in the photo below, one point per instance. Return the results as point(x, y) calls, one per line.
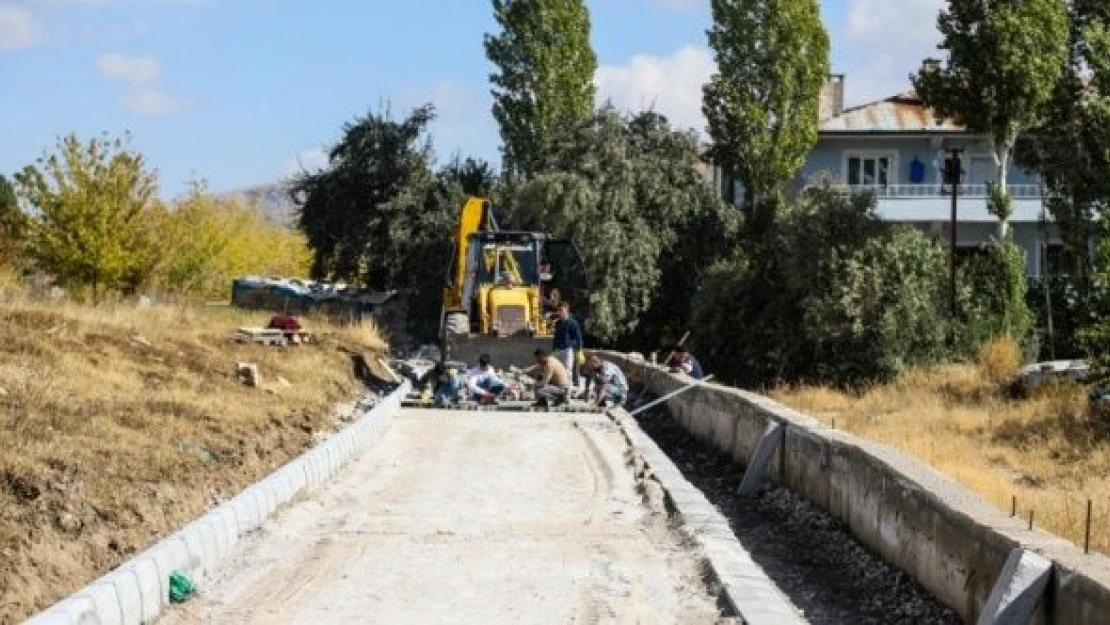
point(239, 92)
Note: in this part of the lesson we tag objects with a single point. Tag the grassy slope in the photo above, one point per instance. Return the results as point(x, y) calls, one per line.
point(1045, 450)
point(118, 424)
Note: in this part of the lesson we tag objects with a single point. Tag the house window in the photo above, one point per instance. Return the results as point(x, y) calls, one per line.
point(871, 170)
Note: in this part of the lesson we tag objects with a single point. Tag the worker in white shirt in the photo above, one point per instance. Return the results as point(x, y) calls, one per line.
point(483, 383)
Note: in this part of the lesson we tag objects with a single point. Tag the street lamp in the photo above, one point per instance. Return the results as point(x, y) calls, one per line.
point(953, 175)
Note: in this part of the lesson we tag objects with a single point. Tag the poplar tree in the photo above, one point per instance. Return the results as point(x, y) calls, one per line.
point(1004, 61)
point(544, 76)
point(763, 102)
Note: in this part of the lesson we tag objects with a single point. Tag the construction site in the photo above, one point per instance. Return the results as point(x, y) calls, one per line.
point(555, 312)
point(482, 480)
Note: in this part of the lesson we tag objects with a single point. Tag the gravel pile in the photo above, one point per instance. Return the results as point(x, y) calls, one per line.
point(807, 553)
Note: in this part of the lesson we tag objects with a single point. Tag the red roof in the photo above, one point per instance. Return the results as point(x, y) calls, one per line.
point(904, 112)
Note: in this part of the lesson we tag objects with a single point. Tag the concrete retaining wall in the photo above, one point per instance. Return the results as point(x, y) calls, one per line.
point(949, 539)
point(138, 590)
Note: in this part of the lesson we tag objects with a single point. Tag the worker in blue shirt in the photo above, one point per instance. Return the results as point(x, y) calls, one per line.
point(568, 341)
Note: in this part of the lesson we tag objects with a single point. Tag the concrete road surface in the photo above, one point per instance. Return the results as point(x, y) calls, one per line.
point(466, 517)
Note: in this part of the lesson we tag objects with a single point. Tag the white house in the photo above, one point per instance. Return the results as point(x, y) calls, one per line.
point(895, 148)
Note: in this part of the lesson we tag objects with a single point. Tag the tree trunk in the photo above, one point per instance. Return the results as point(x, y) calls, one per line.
point(749, 204)
point(1002, 153)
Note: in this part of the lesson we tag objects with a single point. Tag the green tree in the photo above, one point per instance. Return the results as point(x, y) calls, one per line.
point(625, 189)
point(91, 214)
point(544, 79)
point(379, 216)
point(473, 175)
point(1071, 147)
point(350, 210)
point(763, 102)
point(840, 295)
point(1005, 59)
point(13, 225)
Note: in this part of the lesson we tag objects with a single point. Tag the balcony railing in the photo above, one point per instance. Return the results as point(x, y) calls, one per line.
point(914, 191)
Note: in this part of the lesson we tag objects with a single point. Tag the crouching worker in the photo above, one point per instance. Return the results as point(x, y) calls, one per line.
point(448, 385)
point(483, 383)
point(554, 380)
point(612, 386)
point(683, 361)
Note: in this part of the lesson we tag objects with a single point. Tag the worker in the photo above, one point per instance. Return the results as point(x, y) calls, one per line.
point(448, 385)
point(682, 361)
point(483, 383)
point(567, 341)
point(554, 380)
point(612, 386)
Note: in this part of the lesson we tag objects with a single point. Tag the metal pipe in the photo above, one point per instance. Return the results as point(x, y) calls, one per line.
point(670, 395)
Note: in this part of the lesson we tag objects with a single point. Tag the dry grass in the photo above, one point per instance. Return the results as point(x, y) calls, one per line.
point(119, 424)
point(1044, 450)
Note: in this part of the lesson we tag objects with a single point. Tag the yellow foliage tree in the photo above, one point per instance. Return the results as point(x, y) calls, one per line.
point(89, 223)
point(208, 241)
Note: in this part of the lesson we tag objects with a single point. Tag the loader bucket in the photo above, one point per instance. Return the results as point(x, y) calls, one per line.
point(503, 351)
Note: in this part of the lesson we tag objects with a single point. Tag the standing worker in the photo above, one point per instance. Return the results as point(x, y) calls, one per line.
point(612, 386)
point(568, 341)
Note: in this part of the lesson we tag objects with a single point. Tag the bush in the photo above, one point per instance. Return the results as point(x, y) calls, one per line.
point(999, 360)
point(992, 292)
point(832, 293)
point(207, 242)
point(1077, 303)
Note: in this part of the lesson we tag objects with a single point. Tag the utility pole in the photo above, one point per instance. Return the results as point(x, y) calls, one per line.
point(953, 172)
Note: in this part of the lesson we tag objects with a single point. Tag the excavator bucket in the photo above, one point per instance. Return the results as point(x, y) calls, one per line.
point(504, 352)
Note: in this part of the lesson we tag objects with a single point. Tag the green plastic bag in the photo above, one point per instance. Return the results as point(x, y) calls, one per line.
point(181, 587)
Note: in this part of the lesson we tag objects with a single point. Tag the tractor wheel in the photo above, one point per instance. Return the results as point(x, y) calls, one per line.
point(457, 323)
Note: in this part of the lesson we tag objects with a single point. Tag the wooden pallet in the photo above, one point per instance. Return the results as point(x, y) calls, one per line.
point(272, 336)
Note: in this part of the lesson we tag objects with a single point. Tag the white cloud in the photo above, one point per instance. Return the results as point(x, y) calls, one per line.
point(308, 161)
point(882, 42)
point(904, 23)
point(154, 103)
point(134, 70)
point(671, 85)
point(18, 28)
point(463, 125)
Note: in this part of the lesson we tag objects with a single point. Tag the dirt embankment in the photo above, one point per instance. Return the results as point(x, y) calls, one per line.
point(120, 424)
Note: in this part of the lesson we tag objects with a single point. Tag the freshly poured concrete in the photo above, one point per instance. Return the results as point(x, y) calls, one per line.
point(467, 517)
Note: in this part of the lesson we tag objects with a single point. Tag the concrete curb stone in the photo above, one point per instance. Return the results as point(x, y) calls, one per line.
point(746, 588)
point(138, 590)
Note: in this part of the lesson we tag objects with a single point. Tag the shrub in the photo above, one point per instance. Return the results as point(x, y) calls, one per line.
point(999, 360)
point(831, 293)
point(992, 296)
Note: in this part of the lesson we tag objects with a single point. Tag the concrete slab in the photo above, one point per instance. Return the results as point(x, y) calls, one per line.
point(468, 517)
point(753, 476)
point(746, 588)
point(1019, 587)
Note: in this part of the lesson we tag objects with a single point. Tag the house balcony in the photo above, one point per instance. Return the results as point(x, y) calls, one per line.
point(970, 191)
point(933, 202)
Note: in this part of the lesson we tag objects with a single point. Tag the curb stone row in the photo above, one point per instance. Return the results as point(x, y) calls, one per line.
point(138, 590)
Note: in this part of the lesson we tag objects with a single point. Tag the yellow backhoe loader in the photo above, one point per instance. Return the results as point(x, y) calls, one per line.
point(502, 288)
